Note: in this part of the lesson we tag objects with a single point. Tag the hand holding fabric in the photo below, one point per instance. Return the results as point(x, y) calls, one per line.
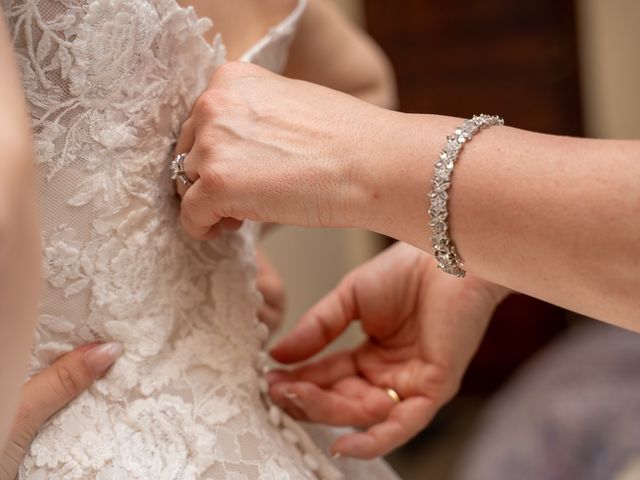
point(271, 149)
point(50, 390)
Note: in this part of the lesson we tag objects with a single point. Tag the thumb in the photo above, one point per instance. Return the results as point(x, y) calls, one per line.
point(321, 325)
point(50, 390)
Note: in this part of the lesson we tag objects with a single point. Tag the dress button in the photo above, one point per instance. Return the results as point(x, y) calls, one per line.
point(311, 462)
point(263, 332)
point(290, 436)
point(275, 415)
point(263, 385)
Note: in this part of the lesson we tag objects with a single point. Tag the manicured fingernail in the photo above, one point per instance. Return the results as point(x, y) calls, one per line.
point(294, 399)
point(101, 357)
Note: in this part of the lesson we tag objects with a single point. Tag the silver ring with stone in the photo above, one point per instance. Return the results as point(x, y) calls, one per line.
point(177, 170)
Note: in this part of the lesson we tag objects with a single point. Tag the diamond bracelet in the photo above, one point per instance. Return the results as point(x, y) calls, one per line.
point(444, 250)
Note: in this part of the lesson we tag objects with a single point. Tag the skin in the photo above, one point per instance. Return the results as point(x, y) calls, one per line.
point(19, 225)
point(255, 16)
point(47, 392)
point(553, 217)
point(532, 212)
point(19, 235)
point(423, 329)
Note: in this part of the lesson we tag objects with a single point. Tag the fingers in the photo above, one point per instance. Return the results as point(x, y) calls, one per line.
point(270, 316)
point(49, 391)
point(53, 388)
point(330, 391)
point(271, 287)
point(324, 372)
point(197, 215)
point(190, 166)
point(196, 211)
point(405, 420)
point(186, 139)
point(231, 224)
point(187, 136)
point(320, 326)
point(351, 401)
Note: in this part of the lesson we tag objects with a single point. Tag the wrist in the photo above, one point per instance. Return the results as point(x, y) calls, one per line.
point(498, 292)
point(362, 149)
point(394, 179)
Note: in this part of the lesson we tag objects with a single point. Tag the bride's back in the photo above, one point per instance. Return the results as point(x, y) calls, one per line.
point(109, 83)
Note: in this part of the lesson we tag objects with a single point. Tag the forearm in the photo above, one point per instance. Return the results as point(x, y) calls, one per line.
point(19, 235)
point(557, 218)
point(553, 217)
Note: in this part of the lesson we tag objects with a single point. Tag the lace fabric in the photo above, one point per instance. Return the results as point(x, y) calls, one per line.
point(109, 83)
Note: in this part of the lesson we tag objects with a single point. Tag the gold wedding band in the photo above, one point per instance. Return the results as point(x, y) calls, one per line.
point(393, 395)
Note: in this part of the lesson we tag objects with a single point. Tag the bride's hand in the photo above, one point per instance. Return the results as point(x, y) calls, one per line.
point(423, 328)
point(271, 149)
point(50, 390)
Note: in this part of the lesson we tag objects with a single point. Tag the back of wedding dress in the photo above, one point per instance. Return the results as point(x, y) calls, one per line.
point(108, 84)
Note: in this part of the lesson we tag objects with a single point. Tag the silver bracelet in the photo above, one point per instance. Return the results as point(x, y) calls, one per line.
point(444, 250)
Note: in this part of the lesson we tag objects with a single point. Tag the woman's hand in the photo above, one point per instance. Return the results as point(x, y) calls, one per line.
point(271, 149)
point(423, 328)
point(49, 391)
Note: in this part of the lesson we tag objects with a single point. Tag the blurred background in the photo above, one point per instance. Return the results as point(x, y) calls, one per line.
point(556, 66)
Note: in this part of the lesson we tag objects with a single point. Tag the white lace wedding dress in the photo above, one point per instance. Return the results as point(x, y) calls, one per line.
point(108, 83)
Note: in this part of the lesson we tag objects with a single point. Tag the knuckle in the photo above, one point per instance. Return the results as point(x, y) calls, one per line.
point(232, 70)
point(206, 149)
point(324, 327)
point(225, 70)
point(189, 204)
point(348, 280)
point(67, 385)
point(213, 180)
point(207, 104)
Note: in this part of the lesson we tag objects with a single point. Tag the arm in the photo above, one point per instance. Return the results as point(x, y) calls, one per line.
point(19, 236)
point(330, 50)
point(553, 217)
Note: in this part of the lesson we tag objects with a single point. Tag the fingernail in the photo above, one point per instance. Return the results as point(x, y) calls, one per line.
point(336, 455)
point(294, 399)
point(273, 376)
point(100, 358)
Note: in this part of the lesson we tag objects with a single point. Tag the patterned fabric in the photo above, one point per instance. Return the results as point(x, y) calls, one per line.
point(109, 83)
point(572, 413)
